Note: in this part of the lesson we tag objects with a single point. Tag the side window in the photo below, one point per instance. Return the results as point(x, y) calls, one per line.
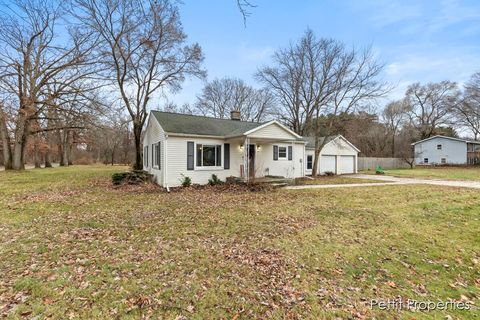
point(444, 160)
point(425, 160)
point(439, 147)
point(282, 152)
point(309, 162)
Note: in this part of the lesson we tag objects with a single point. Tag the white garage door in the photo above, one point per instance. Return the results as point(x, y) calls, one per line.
point(328, 163)
point(347, 164)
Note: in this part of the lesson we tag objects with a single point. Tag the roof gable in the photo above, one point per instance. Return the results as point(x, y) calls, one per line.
point(273, 129)
point(311, 141)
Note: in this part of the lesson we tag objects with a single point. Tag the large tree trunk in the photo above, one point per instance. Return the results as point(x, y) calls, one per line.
point(316, 160)
point(137, 132)
point(48, 138)
point(66, 147)
point(6, 147)
point(70, 147)
point(48, 157)
point(60, 148)
point(36, 152)
point(19, 142)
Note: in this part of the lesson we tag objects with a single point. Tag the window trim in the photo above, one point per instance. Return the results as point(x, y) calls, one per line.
point(156, 161)
point(145, 156)
point(217, 157)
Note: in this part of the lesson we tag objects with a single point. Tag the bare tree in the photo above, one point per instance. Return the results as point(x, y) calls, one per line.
point(32, 57)
point(394, 115)
point(221, 96)
point(317, 77)
point(467, 112)
point(244, 7)
point(143, 49)
point(431, 105)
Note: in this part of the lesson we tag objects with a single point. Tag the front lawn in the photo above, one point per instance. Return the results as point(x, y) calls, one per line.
point(447, 173)
point(74, 247)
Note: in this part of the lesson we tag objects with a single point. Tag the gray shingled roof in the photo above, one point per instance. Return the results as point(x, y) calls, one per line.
point(311, 141)
point(190, 124)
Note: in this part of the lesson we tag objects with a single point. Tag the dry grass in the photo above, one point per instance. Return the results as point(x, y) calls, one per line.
point(74, 247)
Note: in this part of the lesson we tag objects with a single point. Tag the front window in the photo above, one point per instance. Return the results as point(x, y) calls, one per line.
point(309, 162)
point(209, 155)
point(425, 160)
point(439, 147)
point(282, 152)
point(444, 160)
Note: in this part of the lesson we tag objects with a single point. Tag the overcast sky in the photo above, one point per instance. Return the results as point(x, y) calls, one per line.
point(418, 40)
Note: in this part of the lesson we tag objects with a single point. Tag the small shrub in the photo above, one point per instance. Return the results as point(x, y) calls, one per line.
point(233, 180)
point(186, 181)
point(131, 177)
point(329, 173)
point(214, 180)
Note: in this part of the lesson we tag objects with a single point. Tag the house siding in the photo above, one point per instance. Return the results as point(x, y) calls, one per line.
point(265, 165)
point(455, 152)
point(177, 161)
point(154, 134)
point(273, 130)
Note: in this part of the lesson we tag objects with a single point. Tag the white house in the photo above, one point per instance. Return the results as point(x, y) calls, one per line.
point(179, 145)
point(438, 150)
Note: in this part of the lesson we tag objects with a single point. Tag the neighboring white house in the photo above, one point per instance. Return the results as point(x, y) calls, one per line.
point(438, 150)
point(179, 145)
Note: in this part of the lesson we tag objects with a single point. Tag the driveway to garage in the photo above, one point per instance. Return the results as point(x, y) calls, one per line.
point(389, 180)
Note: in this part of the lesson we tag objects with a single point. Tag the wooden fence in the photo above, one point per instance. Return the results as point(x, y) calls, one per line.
point(370, 163)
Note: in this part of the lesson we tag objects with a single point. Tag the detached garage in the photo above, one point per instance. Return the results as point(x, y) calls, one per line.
point(338, 156)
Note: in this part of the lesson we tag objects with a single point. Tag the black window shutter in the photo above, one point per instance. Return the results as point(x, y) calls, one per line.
point(226, 156)
point(153, 155)
point(190, 155)
point(219, 155)
point(275, 152)
point(290, 152)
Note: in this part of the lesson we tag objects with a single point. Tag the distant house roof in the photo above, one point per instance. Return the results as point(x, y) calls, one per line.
point(200, 125)
point(445, 137)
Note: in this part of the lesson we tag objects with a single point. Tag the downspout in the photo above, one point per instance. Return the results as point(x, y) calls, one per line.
point(165, 184)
